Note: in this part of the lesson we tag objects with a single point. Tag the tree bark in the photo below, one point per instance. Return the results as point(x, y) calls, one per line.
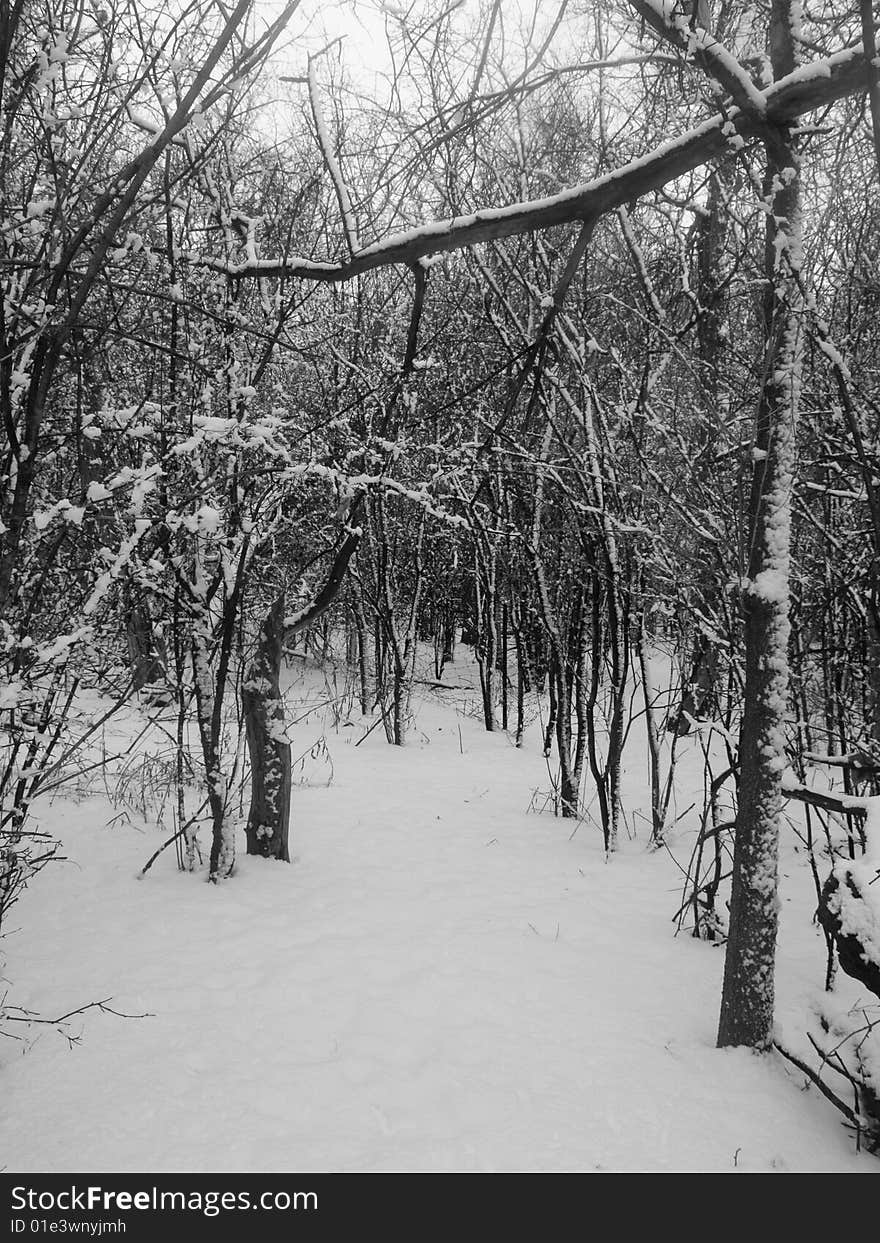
point(748, 991)
point(222, 828)
point(269, 749)
point(146, 657)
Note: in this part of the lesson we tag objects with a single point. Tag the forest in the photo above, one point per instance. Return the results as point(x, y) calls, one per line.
point(440, 511)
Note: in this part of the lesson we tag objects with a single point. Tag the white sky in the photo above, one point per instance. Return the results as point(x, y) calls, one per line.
point(359, 24)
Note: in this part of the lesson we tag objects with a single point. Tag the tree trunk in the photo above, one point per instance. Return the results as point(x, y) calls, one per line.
point(363, 653)
point(503, 668)
point(748, 992)
point(222, 829)
point(147, 660)
point(653, 733)
point(269, 816)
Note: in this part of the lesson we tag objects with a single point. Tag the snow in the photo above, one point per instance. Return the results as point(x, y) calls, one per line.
point(771, 586)
point(143, 120)
point(860, 915)
point(730, 72)
point(209, 519)
point(830, 351)
point(439, 981)
point(37, 207)
point(58, 50)
point(10, 693)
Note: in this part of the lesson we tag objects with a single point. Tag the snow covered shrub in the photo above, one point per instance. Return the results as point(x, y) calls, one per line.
point(848, 1047)
point(33, 714)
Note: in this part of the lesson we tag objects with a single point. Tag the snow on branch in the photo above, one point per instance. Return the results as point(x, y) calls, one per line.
point(420, 496)
point(710, 54)
point(807, 88)
point(328, 593)
point(827, 800)
point(349, 223)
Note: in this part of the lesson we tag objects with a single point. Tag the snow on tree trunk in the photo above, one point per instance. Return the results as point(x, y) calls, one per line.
point(268, 746)
point(222, 827)
point(748, 990)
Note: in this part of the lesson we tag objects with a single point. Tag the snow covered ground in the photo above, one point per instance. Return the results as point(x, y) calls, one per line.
point(442, 980)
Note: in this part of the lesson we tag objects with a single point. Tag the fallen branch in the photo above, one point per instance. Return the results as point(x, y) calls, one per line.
point(30, 1018)
point(378, 721)
point(856, 1119)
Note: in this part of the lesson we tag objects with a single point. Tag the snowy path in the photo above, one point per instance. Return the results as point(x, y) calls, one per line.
point(440, 982)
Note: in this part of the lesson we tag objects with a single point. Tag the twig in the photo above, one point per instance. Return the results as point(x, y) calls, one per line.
point(378, 721)
point(858, 1122)
point(173, 838)
point(27, 1016)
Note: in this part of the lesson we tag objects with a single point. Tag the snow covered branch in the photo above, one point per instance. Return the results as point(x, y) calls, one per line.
point(804, 90)
point(710, 54)
point(328, 593)
point(343, 196)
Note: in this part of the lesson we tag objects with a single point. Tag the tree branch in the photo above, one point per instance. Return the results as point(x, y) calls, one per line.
point(328, 593)
point(806, 89)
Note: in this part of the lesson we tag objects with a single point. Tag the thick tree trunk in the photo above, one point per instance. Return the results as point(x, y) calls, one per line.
point(748, 992)
point(269, 749)
point(269, 816)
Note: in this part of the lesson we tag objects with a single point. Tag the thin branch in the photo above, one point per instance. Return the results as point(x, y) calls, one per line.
point(173, 838)
point(343, 197)
point(859, 1123)
point(103, 1006)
